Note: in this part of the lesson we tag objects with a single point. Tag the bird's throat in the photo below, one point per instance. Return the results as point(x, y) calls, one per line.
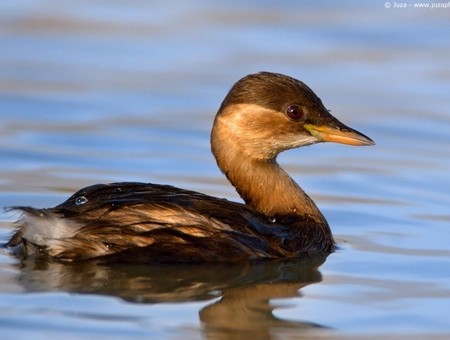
point(267, 188)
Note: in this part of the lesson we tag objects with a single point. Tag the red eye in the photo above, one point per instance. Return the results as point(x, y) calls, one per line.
point(295, 112)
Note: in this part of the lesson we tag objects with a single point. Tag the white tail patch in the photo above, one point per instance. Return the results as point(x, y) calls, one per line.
point(47, 229)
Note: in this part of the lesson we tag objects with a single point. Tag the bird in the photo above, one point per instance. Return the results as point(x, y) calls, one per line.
point(262, 115)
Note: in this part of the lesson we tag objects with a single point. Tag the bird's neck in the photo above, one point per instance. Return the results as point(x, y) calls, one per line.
point(265, 186)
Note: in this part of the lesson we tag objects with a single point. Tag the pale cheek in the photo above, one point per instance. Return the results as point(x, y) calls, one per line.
point(291, 141)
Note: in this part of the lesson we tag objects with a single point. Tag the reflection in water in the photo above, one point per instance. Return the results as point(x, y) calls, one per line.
point(246, 290)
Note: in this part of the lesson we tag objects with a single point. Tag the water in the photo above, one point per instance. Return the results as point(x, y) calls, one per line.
point(95, 92)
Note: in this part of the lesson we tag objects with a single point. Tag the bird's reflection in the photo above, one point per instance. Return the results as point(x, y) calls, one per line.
point(242, 293)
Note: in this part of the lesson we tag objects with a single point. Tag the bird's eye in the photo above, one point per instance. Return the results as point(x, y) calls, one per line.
point(295, 112)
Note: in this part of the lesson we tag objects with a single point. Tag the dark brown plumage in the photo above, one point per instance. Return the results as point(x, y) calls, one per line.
point(262, 115)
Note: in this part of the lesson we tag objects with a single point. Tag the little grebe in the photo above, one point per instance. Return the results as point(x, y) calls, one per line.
point(262, 115)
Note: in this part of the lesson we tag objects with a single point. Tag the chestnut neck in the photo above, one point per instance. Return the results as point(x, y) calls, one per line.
point(261, 182)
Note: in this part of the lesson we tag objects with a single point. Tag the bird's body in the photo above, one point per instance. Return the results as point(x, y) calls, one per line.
point(149, 222)
point(263, 115)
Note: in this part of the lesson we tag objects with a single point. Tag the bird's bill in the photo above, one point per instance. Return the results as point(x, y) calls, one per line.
point(342, 135)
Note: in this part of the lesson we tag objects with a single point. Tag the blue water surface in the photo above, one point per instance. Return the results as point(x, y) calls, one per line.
point(94, 92)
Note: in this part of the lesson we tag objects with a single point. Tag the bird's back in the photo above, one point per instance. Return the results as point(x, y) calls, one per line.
point(138, 222)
